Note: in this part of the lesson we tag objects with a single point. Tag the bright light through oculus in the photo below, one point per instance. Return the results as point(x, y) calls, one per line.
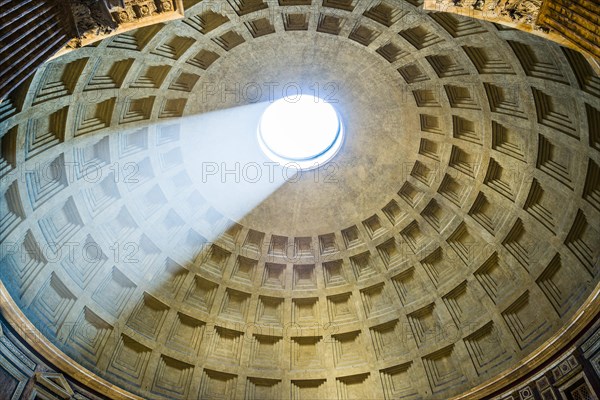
point(302, 130)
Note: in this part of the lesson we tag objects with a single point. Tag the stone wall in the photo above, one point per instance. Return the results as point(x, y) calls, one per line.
point(34, 31)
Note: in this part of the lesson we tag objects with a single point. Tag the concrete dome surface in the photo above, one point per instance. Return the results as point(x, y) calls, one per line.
point(455, 232)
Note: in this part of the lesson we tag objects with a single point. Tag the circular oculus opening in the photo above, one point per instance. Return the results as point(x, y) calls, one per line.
point(301, 131)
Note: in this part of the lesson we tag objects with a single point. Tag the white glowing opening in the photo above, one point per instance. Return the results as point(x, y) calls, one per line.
point(303, 130)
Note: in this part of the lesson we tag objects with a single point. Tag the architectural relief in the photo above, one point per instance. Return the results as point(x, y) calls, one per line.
point(98, 19)
point(572, 23)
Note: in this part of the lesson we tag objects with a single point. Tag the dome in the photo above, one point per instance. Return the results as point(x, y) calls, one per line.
point(426, 236)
